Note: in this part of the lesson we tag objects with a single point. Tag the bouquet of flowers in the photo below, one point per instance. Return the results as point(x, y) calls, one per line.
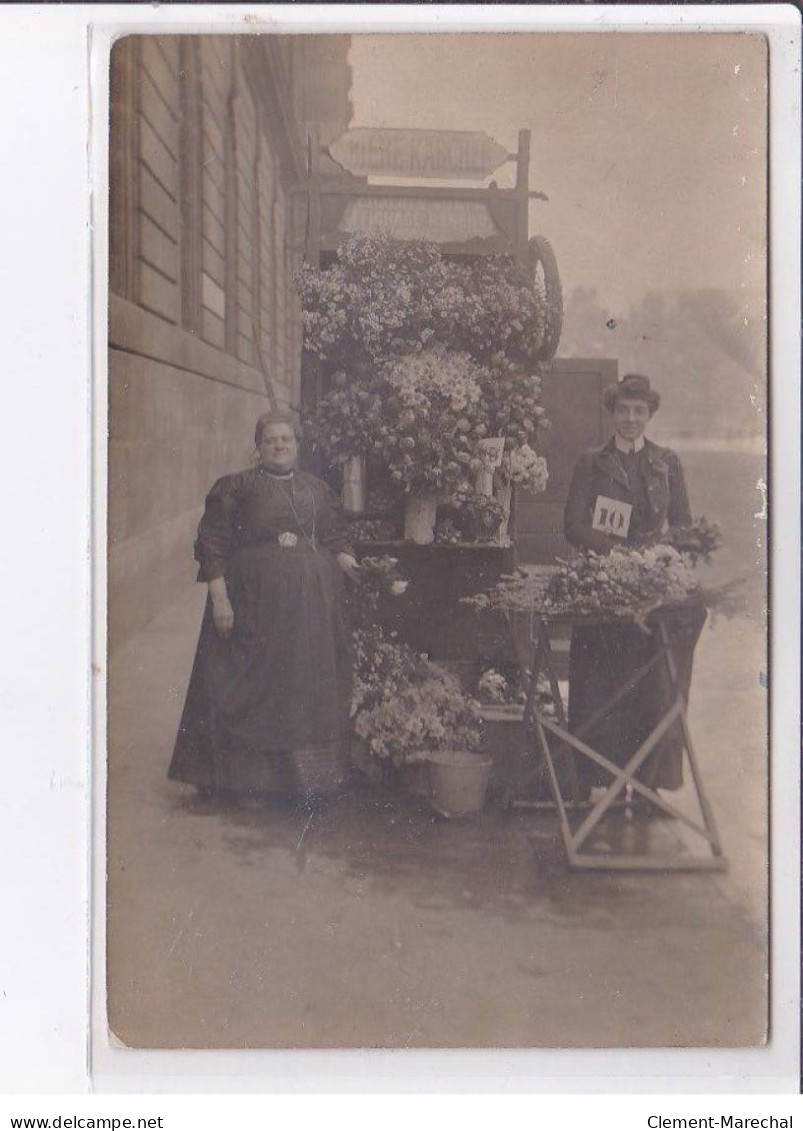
point(497, 689)
point(362, 529)
point(421, 417)
point(627, 582)
point(697, 541)
point(378, 576)
point(385, 297)
point(404, 706)
point(474, 517)
point(525, 468)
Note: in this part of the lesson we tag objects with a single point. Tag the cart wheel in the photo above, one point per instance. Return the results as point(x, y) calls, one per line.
point(544, 267)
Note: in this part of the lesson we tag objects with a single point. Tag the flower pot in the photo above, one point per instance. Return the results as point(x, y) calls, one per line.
point(354, 485)
point(458, 782)
point(419, 518)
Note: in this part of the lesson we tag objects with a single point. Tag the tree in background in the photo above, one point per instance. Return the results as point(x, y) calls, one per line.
point(698, 347)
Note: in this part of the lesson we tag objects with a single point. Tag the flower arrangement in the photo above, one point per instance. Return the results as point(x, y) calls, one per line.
point(377, 529)
point(494, 688)
point(423, 418)
point(525, 468)
point(628, 582)
point(404, 706)
point(468, 516)
point(697, 541)
point(378, 576)
point(384, 297)
point(634, 580)
point(430, 358)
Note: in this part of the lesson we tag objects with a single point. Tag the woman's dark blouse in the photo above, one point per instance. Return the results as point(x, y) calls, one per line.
point(251, 508)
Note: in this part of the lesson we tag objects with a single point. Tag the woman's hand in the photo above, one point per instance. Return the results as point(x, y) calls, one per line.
point(222, 612)
point(349, 565)
point(223, 617)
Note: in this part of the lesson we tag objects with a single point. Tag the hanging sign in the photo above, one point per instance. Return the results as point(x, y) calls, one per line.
point(446, 154)
point(408, 218)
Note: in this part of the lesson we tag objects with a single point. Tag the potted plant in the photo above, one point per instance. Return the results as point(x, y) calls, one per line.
point(411, 712)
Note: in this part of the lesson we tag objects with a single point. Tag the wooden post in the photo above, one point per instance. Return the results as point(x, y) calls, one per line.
point(311, 375)
point(523, 198)
point(313, 246)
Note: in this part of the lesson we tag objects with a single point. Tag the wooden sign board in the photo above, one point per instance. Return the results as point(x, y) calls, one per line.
point(408, 218)
point(420, 154)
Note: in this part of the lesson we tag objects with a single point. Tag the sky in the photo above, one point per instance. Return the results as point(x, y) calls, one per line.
point(651, 147)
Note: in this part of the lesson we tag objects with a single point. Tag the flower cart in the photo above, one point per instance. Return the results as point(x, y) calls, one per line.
point(551, 737)
point(655, 594)
point(423, 361)
point(434, 398)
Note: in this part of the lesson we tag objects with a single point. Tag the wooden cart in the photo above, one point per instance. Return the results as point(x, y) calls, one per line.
point(549, 739)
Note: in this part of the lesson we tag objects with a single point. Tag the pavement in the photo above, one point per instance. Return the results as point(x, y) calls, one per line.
point(375, 923)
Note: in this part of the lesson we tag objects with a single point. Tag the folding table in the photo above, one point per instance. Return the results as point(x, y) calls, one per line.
point(549, 736)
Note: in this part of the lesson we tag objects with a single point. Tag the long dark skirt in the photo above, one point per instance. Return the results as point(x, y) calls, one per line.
point(602, 659)
point(268, 708)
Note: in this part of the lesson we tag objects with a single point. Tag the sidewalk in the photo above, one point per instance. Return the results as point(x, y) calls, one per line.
point(375, 924)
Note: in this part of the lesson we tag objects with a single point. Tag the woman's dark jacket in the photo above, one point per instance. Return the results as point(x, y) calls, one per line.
point(658, 494)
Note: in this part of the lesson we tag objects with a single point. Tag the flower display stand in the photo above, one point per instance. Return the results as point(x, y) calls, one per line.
point(549, 738)
point(430, 617)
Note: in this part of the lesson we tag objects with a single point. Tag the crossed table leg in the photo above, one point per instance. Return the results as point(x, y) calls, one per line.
point(542, 726)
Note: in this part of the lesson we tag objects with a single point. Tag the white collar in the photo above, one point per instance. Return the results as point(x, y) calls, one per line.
point(286, 475)
point(624, 446)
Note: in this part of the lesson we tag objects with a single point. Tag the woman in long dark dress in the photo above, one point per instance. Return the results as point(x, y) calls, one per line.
point(629, 469)
point(268, 701)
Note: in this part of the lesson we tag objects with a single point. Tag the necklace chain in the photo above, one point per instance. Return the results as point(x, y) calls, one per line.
point(291, 498)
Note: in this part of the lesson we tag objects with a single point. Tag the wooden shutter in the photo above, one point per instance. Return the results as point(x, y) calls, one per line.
point(572, 397)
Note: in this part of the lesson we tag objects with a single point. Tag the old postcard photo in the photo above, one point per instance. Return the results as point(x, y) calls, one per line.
point(437, 541)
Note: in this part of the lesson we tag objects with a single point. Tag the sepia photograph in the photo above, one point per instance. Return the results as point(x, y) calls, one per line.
point(437, 541)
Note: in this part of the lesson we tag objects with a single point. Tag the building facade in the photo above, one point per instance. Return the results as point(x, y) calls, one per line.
point(208, 143)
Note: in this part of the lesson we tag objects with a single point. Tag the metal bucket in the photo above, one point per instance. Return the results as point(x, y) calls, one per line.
point(458, 781)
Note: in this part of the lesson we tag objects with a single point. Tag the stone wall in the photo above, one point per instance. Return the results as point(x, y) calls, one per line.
point(206, 232)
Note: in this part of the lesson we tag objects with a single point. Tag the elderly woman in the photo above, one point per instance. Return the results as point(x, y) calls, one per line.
point(268, 700)
point(627, 492)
